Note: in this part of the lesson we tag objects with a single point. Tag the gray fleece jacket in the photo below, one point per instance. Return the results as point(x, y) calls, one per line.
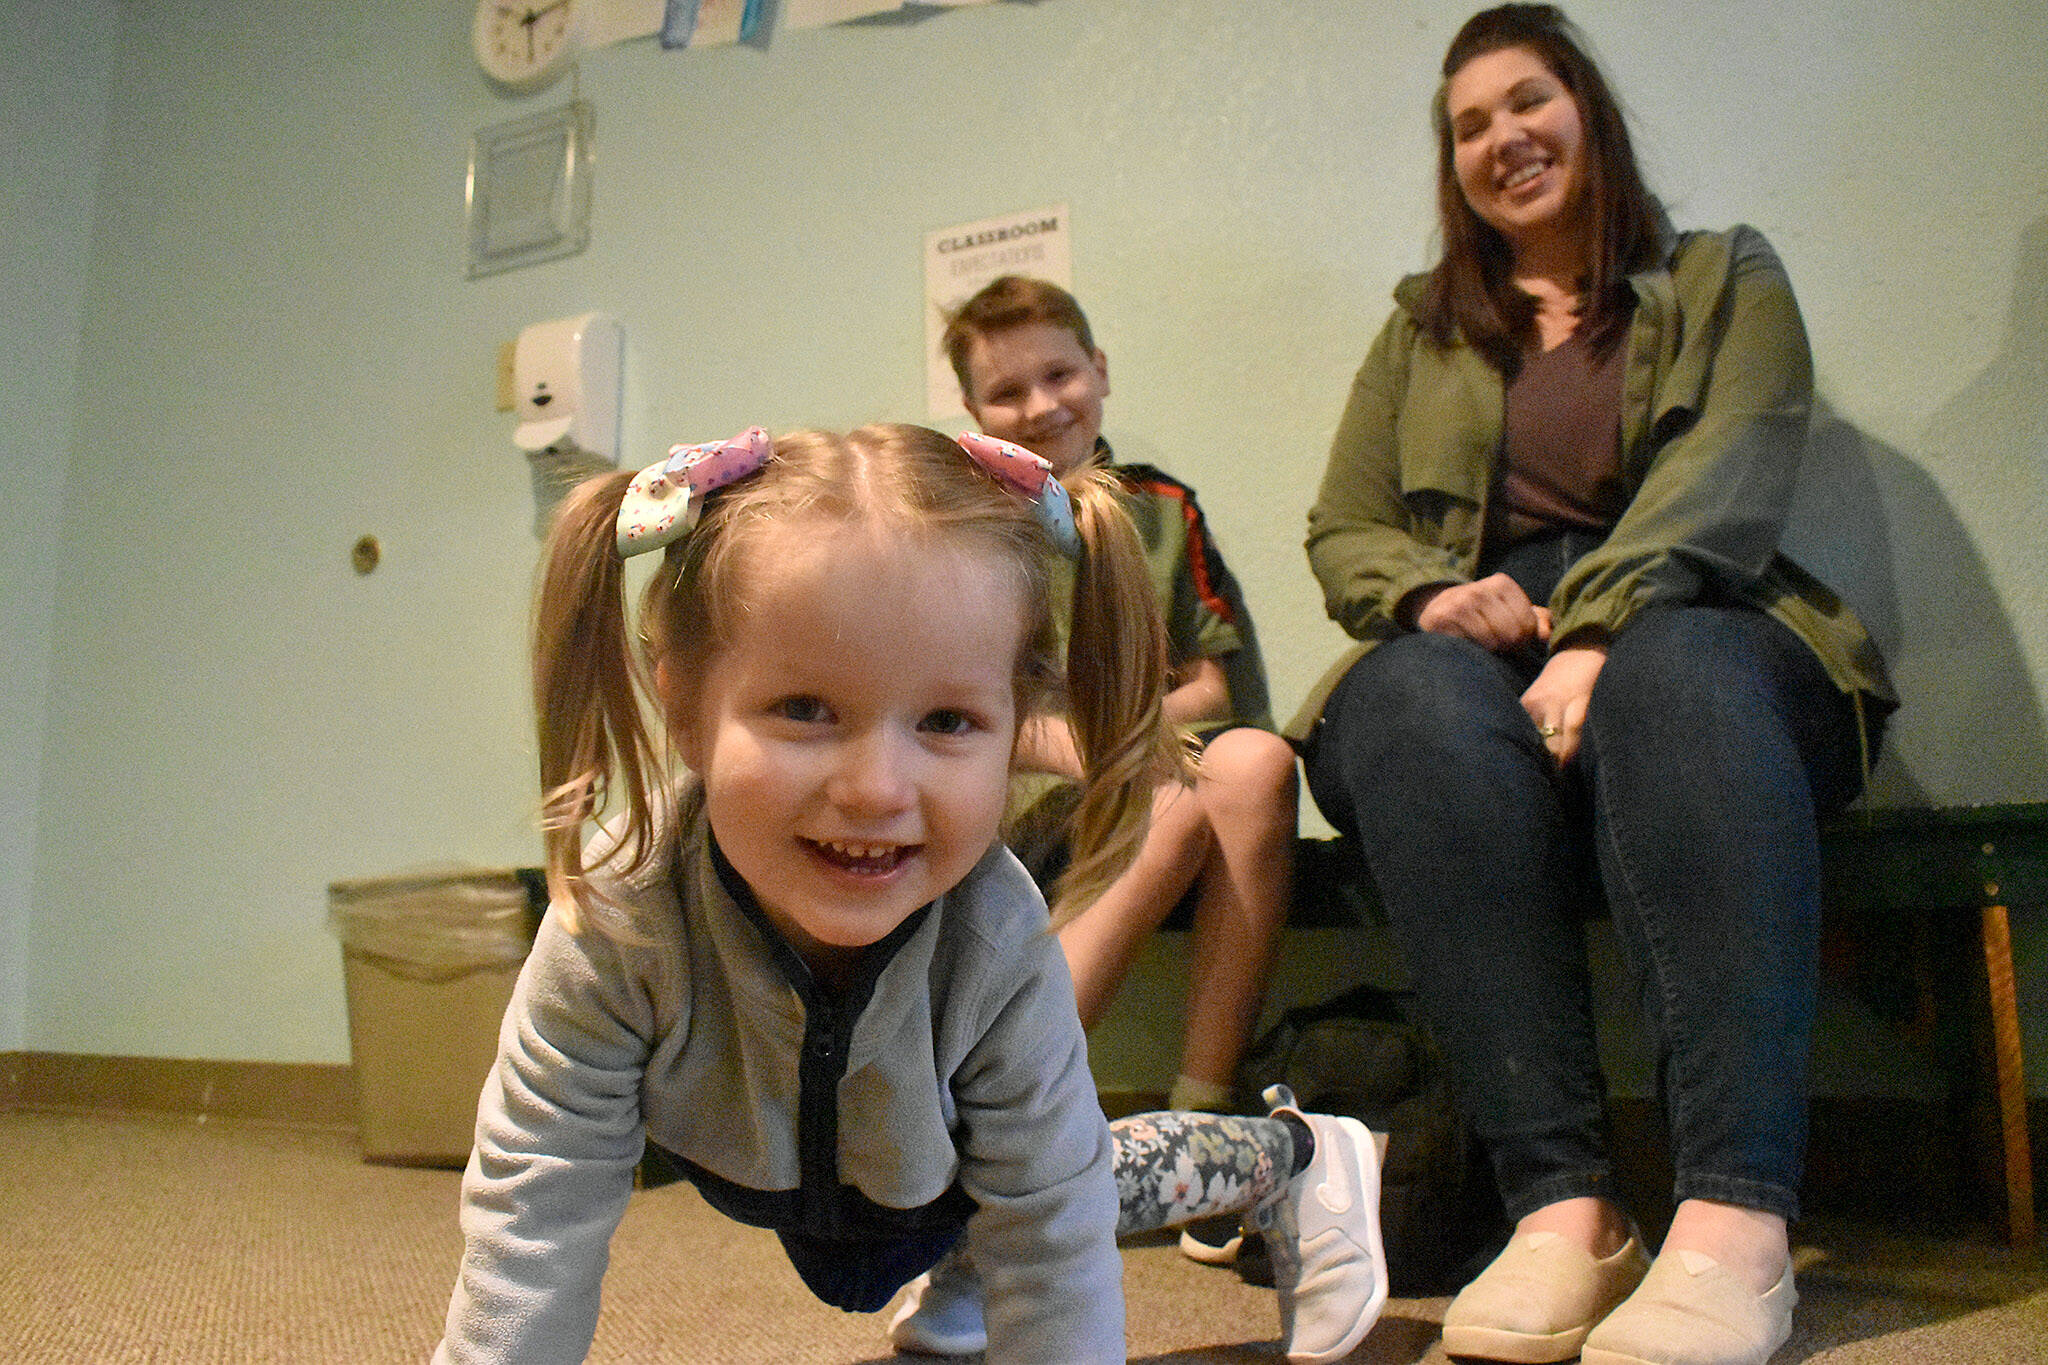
point(952, 1083)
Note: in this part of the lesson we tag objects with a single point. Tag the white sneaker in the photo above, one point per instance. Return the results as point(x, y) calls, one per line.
point(1323, 1234)
point(1215, 1240)
point(941, 1313)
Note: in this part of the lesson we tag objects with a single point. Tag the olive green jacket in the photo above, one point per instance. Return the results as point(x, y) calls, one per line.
point(1716, 390)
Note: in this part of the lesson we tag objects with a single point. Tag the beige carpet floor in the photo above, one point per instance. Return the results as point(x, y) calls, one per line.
point(142, 1239)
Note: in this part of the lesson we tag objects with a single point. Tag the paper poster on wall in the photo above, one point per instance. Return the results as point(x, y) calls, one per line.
point(959, 260)
point(706, 23)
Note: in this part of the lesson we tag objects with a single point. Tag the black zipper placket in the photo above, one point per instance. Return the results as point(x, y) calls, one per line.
point(823, 1055)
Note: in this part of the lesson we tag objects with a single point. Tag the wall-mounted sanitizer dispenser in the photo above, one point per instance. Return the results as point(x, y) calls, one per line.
point(566, 377)
point(565, 383)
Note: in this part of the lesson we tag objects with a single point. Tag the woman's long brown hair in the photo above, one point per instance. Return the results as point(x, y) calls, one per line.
point(1471, 292)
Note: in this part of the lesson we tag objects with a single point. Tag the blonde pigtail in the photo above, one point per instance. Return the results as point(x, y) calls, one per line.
point(588, 679)
point(1117, 680)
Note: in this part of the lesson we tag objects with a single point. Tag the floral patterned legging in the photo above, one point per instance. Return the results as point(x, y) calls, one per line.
point(1176, 1165)
point(1172, 1166)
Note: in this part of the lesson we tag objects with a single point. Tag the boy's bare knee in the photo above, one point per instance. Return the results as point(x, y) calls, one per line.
point(1248, 770)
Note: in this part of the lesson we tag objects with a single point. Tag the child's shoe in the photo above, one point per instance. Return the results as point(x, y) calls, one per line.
point(1214, 1240)
point(1539, 1299)
point(942, 1311)
point(1690, 1311)
point(1323, 1234)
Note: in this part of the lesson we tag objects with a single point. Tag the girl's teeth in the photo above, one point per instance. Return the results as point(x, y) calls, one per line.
point(860, 852)
point(1524, 175)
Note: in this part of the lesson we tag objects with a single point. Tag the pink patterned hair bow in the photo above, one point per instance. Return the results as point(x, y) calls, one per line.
point(1032, 476)
point(664, 499)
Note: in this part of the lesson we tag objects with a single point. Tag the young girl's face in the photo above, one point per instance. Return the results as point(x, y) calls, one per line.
point(854, 736)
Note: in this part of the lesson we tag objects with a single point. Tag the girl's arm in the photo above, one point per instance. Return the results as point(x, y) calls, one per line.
point(559, 1132)
point(1036, 1157)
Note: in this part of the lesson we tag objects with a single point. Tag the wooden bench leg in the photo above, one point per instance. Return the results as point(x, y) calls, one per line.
point(2011, 1081)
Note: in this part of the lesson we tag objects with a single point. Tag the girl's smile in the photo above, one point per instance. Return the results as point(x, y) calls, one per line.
point(864, 859)
point(854, 735)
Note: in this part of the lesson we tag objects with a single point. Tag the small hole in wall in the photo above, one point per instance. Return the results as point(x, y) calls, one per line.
point(366, 554)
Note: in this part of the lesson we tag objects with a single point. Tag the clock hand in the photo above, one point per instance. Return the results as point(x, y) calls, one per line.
point(531, 19)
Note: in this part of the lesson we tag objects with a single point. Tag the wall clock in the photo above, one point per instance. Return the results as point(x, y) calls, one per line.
point(524, 45)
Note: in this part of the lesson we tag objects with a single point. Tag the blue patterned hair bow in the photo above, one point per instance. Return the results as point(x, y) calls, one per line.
point(1032, 476)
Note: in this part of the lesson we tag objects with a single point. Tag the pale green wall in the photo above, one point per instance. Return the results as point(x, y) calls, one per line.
point(54, 57)
point(279, 353)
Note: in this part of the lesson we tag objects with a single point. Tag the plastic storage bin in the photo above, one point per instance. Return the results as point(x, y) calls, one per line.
point(428, 960)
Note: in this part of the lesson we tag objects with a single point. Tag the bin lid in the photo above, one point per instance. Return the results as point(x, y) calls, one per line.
point(441, 918)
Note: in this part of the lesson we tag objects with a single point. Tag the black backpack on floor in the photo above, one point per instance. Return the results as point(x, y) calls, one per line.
point(1358, 1054)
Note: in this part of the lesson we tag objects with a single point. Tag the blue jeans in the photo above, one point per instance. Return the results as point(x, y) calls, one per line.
point(1712, 740)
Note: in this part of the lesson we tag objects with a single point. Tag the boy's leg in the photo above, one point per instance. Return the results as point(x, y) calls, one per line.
point(1103, 940)
point(1248, 794)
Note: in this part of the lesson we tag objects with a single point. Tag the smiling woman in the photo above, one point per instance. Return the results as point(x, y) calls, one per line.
point(1551, 518)
point(1520, 153)
point(1521, 98)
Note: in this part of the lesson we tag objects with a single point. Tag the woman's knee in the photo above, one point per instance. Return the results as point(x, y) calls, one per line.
point(1424, 684)
point(1413, 721)
point(1697, 661)
point(1421, 701)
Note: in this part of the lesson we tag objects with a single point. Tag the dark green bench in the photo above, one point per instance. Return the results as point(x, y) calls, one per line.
point(1916, 913)
point(1918, 906)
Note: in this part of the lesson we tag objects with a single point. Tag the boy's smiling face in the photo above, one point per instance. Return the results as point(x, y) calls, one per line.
point(1036, 385)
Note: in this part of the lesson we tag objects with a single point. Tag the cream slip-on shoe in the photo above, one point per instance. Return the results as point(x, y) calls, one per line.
point(1539, 1298)
point(1690, 1311)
